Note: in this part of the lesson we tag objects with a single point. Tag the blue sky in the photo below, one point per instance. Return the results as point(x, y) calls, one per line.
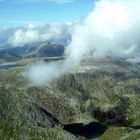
point(15, 13)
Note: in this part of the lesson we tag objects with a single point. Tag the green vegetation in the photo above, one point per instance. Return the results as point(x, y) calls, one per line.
point(109, 96)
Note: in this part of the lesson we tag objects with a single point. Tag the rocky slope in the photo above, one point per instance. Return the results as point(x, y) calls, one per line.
point(99, 99)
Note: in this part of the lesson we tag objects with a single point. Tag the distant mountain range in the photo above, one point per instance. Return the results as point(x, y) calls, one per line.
point(7, 56)
point(33, 50)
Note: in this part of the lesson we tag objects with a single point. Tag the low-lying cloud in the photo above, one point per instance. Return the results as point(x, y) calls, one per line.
point(110, 30)
point(41, 73)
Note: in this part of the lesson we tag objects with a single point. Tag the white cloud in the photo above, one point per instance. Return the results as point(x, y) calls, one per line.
point(37, 33)
point(111, 29)
point(4, 35)
point(37, 73)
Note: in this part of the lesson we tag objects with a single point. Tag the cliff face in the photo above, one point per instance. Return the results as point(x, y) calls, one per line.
point(100, 99)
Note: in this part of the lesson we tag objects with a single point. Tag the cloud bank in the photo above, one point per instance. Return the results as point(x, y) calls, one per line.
point(110, 30)
point(38, 33)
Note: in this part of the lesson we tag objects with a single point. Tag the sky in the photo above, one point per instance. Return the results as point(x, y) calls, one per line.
point(14, 13)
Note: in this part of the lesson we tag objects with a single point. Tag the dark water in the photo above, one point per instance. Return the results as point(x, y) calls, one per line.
point(90, 131)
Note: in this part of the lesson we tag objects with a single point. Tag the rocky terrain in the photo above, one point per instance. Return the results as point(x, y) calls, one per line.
point(99, 100)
